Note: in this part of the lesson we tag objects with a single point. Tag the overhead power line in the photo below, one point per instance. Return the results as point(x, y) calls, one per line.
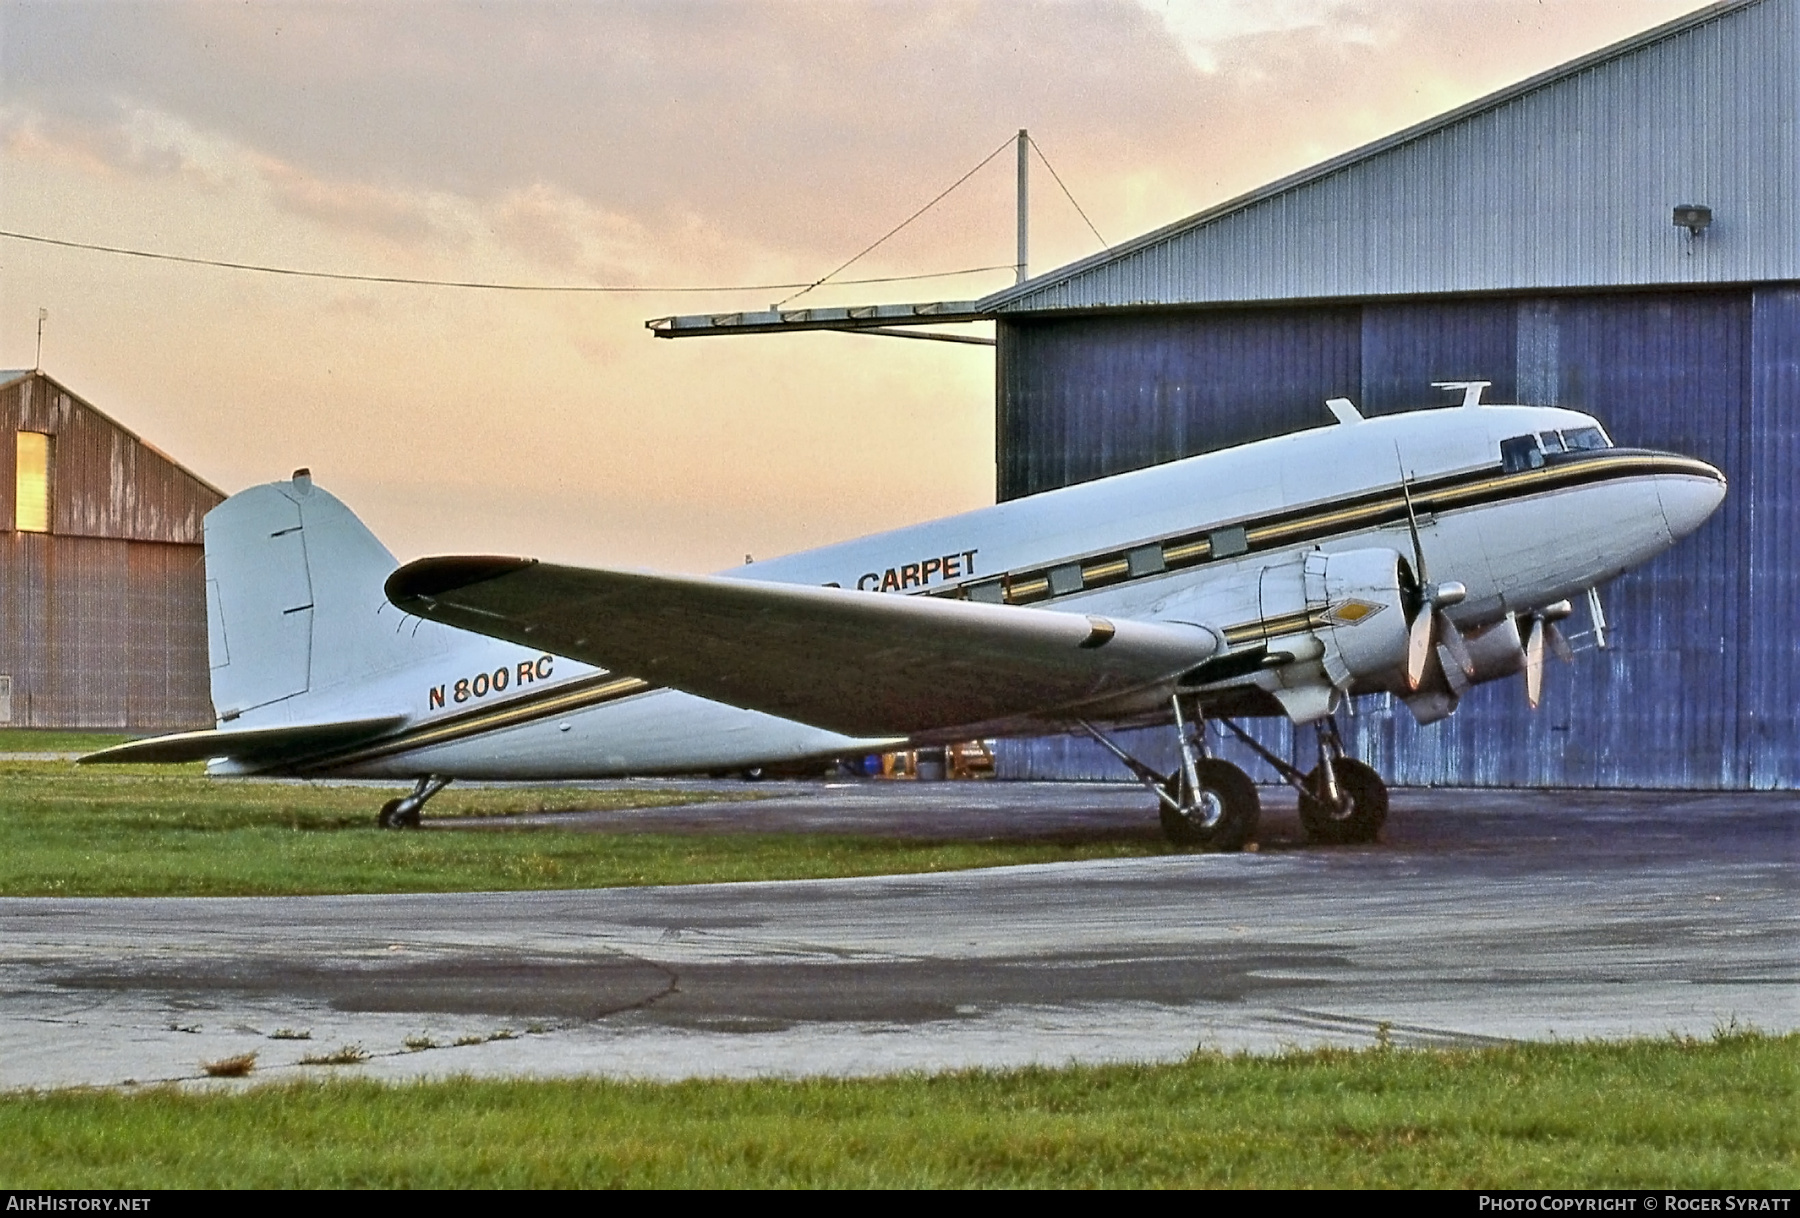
point(299, 273)
point(618, 289)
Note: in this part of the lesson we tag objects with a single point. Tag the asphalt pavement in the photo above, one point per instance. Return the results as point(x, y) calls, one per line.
point(1481, 917)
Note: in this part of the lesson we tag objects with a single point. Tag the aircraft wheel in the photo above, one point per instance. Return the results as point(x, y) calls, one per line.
point(1364, 808)
point(391, 816)
point(1223, 817)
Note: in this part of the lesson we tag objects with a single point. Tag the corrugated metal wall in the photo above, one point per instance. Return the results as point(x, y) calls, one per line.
point(1567, 184)
point(1770, 481)
point(103, 619)
point(1701, 690)
point(1081, 398)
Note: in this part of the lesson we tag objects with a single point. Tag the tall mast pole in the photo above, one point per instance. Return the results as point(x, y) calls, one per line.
point(1020, 267)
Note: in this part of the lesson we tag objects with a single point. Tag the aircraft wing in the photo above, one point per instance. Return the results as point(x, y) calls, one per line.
point(861, 663)
point(253, 744)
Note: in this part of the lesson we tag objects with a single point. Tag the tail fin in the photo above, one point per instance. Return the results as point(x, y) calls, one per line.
point(294, 603)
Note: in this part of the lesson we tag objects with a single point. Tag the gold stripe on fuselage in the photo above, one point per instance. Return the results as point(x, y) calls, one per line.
point(578, 695)
point(1263, 629)
point(1031, 585)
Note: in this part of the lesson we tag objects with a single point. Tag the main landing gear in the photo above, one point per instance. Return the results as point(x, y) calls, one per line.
point(1342, 801)
point(1213, 804)
point(403, 813)
point(1206, 802)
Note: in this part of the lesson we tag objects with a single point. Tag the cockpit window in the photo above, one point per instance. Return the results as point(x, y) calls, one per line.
point(1521, 453)
point(1580, 439)
point(1533, 452)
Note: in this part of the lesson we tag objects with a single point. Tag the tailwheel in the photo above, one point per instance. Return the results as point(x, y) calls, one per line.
point(1359, 810)
point(403, 813)
point(1220, 815)
point(392, 816)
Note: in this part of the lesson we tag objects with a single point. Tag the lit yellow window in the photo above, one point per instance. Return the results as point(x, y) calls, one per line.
point(31, 502)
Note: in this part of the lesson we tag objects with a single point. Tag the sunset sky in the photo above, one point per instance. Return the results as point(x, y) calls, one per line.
point(639, 145)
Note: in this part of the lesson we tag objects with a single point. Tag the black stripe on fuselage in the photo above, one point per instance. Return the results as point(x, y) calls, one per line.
point(577, 695)
point(1315, 523)
point(1031, 585)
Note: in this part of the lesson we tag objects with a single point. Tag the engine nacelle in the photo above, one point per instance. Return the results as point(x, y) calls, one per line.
point(1495, 651)
point(1359, 611)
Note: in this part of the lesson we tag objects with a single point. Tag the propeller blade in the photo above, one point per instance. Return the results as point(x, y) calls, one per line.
point(1418, 646)
point(1412, 527)
point(1559, 644)
point(1451, 640)
point(1534, 664)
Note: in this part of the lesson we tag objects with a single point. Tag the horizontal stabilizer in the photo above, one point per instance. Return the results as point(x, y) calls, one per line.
point(861, 663)
point(258, 745)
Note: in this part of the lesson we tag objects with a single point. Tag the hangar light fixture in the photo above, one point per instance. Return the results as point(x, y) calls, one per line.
point(1692, 217)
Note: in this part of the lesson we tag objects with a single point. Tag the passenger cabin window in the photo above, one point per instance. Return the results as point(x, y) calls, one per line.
point(1521, 453)
point(1551, 440)
point(31, 483)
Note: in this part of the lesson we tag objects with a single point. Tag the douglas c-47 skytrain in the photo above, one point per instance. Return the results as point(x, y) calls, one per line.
point(1416, 554)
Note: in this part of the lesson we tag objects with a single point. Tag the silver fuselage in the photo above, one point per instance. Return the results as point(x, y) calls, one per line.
point(1223, 525)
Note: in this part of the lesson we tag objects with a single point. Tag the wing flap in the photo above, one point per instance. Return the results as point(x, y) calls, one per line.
point(861, 663)
point(255, 745)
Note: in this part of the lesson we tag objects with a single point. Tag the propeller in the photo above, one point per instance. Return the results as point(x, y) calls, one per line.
point(1540, 635)
point(1431, 634)
point(1534, 663)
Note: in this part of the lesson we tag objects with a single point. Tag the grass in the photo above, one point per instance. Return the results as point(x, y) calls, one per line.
point(230, 1067)
point(1671, 1113)
point(343, 1055)
point(67, 830)
point(51, 740)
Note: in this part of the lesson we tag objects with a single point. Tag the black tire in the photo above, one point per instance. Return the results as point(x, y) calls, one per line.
point(1365, 806)
point(391, 817)
point(1237, 809)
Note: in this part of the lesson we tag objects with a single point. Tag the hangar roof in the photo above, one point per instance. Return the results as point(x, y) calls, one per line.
point(109, 481)
point(1566, 180)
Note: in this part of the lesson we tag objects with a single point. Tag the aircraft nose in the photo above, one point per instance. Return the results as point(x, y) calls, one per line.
point(1690, 496)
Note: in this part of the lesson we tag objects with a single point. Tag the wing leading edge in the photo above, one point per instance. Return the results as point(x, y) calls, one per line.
point(860, 663)
point(254, 745)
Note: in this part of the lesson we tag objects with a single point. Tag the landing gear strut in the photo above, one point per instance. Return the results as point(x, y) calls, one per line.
point(1342, 801)
point(1206, 802)
point(403, 813)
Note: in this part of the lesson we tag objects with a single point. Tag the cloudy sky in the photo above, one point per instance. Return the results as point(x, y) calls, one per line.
point(648, 146)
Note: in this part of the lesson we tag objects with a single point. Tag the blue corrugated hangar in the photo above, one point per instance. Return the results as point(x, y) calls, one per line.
point(1620, 235)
